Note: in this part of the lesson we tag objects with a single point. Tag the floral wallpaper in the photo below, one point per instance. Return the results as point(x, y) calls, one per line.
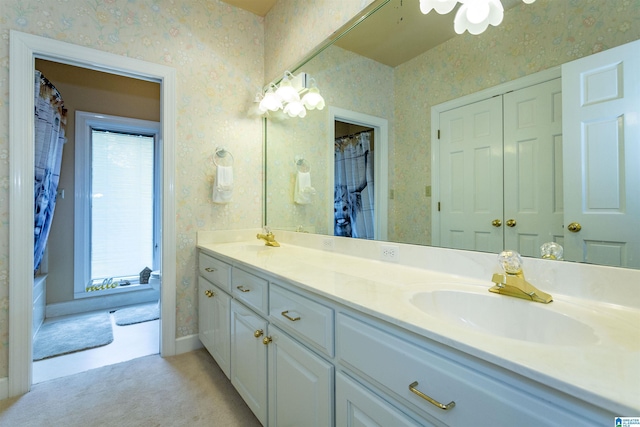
point(218, 52)
point(531, 38)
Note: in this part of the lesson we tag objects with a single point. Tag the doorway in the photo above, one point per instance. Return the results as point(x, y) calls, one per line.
point(353, 124)
point(24, 49)
point(106, 151)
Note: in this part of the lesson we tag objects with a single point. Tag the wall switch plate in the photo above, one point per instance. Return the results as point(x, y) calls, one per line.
point(328, 244)
point(390, 253)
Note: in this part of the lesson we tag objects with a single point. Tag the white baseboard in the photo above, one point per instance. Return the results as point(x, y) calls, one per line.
point(101, 303)
point(187, 344)
point(4, 388)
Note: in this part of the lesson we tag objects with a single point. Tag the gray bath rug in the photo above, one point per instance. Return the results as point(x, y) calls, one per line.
point(74, 334)
point(137, 314)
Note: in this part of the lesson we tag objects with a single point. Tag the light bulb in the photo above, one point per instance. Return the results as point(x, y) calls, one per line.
point(286, 91)
point(313, 99)
point(295, 109)
point(440, 6)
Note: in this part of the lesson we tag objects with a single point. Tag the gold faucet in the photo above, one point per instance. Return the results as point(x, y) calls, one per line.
point(269, 239)
point(512, 281)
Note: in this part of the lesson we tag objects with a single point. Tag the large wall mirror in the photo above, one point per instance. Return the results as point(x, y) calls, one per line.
point(385, 77)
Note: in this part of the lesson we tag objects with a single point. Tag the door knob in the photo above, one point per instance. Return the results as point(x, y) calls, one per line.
point(209, 293)
point(511, 223)
point(574, 227)
point(258, 333)
point(266, 340)
point(496, 223)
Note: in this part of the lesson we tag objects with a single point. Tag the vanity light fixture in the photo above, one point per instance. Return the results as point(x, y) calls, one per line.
point(286, 96)
point(473, 15)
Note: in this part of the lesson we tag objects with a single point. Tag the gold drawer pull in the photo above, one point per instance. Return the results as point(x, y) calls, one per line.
point(446, 407)
point(293, 319)
point(266, 340)
point(258, 333)
point(209, 293)
point(209, 270)
point(242, 289)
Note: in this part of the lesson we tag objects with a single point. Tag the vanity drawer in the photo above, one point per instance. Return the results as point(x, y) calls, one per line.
point(393, 363)
point(215, 271)
point(250, 289)
point(306, 319)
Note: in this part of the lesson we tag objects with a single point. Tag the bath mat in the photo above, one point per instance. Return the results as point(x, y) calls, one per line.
point(73, 334)
point(137, 314)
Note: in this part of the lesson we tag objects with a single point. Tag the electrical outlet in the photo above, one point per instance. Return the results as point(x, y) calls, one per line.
point(328, 244)
point(389, 253)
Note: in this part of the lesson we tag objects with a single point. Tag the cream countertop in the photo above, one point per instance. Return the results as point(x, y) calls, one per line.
point(605, 373)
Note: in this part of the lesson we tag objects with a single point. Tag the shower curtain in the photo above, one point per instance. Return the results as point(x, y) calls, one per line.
point(50, 122)
point(354, 190)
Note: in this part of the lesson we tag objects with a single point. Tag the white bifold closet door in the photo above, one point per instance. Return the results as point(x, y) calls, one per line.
point(602, 156)
point(501, 172)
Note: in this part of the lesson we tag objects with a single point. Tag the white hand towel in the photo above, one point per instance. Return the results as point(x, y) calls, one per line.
point(223, 184)
point(303, 190)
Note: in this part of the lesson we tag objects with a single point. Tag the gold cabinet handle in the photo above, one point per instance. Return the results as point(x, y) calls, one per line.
point(442, 406)
point(293, 319)
point(209, 270)
point(496, 223)
point(242, 289)
point(511, 223)
point(258, 333)
point(209, 293)
point(574, 227)
point(266, 340)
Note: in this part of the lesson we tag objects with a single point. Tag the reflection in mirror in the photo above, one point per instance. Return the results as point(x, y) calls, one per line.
point(531, 38)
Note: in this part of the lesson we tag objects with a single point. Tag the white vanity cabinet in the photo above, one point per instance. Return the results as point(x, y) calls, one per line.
point(214, 305)
point(249, 358)
point(440, 385)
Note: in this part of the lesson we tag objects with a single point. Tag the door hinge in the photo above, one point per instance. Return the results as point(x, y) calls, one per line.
point(438, 206)
point(438, 133)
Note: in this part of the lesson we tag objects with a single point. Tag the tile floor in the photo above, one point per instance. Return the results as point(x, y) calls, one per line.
point(129, 342)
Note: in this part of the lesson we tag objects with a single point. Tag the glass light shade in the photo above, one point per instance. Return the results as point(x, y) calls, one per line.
point(528, 1)
point(440, 6)
point(270, 102)
point(476, 15)
point(295, 109)
point(313, 99)
point(287, 92)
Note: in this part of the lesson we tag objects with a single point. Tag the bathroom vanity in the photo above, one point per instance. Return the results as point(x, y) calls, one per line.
point(311, 336)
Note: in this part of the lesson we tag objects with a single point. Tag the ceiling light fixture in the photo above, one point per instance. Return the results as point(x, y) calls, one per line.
point(473, 15)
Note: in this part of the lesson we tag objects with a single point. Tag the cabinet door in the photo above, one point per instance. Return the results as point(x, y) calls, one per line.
point(300, 384)
point(249, 355)
point(356, 406)
point(214, 327)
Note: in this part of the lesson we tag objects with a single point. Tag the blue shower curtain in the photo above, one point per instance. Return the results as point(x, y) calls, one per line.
point(50, 121)
point(354, 189)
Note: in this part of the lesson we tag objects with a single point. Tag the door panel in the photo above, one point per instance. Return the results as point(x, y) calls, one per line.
point(602, 156)
point(533, 166)
point(471, 176)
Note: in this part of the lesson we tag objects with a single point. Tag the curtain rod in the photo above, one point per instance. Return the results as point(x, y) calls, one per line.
point(355, 134)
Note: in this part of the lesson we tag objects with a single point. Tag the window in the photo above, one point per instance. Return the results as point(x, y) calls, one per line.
point(117, 200)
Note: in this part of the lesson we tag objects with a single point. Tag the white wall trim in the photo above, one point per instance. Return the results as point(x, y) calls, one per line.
point(187, 344)
point(436, 110)
point(381, 164)
point(24, 48)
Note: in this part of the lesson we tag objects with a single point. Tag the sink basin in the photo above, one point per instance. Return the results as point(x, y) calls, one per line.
point(505, 317)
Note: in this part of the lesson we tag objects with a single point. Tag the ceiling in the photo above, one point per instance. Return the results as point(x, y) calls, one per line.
point(383, 35)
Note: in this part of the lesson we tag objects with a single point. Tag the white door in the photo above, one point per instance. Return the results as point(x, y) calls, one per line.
point(601, 115)
point(471, 176)
point(533, 203)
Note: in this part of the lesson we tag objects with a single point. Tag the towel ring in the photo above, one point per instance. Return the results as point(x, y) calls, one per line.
point(302, 165)
point(223, 157)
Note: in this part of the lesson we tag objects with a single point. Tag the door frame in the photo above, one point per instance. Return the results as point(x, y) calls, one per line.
point(24, 49)
point(436, 110)
point(380, 165)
